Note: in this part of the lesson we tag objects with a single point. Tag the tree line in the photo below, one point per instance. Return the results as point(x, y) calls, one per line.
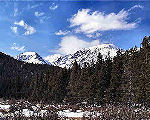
point(125, 79)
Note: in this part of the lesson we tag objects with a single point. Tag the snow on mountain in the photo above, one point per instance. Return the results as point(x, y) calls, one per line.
point(31, 57)
point(87, 55)
point(52, 58)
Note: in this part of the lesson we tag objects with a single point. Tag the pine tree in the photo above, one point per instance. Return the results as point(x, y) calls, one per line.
point(34, 87)
point(97, 78)
point(99, 62)
point(61, 84)
point(86, 89)
point(113, 92)
point(74, 84)
point(129, 78)
point(145, 70)
point(104, 77)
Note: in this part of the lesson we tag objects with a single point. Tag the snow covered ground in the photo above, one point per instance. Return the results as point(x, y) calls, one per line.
point(26, 109)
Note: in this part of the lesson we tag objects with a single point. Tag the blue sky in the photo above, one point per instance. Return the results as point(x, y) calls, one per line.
point(63, 27)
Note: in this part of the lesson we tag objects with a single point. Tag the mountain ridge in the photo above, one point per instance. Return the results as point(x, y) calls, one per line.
point(83, 55)
point(87, 55)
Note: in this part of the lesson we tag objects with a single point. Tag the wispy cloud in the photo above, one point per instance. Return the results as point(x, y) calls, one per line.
point(136, 6)
point(90, 23)
point(29, 29)
point(44, 18)
point(53, 6)
point(94, 35)
point(15, 12)
point(18, 48)
point(38, 14)
point(34, 6)
point(60, 32)
point(14, 29)
point(70, 44)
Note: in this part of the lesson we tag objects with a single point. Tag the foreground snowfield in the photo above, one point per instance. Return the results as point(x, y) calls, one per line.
point(26, 110)
point(37, 110)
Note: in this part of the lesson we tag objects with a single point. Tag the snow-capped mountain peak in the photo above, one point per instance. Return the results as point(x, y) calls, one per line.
point(31, 57)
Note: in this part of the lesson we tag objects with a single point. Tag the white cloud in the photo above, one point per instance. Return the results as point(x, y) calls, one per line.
point(14, 29)
point(88, 22)
point(18, 48)
point(38, 14)
point(29, 29)
point(70, 44)
point(60, 32)
point(53, 7)
point(21, 23)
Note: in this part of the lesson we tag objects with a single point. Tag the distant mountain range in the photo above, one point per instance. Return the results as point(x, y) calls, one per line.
point(88, 55)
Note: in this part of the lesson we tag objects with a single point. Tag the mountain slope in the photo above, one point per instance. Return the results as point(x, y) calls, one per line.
point(31, 57)
point(87, 55)
point(52, 58)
